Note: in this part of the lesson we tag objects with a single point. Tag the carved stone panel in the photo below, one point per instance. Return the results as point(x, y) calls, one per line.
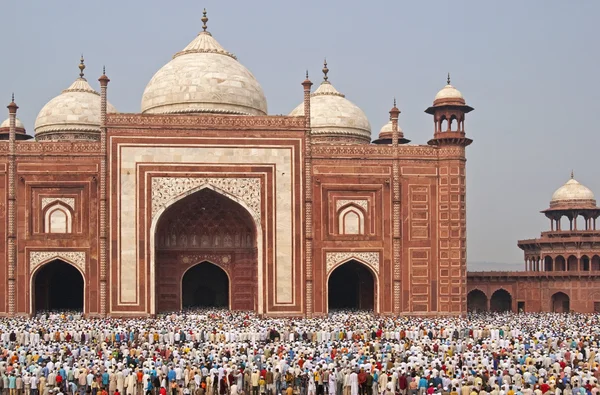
point(370, 258)
point(37, 258)
point(164, 189)
point(68, 201)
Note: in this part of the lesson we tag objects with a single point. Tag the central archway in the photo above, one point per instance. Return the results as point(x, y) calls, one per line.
point(206, 226)
point(351, 286)
point(57, 286)
point(561, 303)
point(205, 285)
point(501, 301)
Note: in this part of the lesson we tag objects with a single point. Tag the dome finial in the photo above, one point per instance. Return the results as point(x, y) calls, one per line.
point(448, 80)
point(572, 175)
point(81, 66)
point(394, 101)
point(204, 20)
point(325, 70)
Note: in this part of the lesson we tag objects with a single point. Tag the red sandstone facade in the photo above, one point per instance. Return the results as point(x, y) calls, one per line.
point(411, 200)
point(204, 199)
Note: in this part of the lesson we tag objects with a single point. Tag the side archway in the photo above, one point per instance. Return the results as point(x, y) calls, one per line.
point(560, 303)
point(477, 301)
point(501, 301)
point(57, 285)
point(352, 285)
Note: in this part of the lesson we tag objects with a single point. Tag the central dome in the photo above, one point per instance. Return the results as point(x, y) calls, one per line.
point(204, 78)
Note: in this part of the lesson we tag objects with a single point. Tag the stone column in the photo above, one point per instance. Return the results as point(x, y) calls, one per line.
point(308, 217)
point(12, 207)
point(396, 209)
point(103, 198)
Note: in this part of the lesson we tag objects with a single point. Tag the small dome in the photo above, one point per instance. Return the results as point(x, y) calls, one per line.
point(386, 133)
point(72, 115)
point(6, 124)
point(19, 130)
point(448, 92)
point(335, 119)
point(387, 128)
point(573, 194)
point(449, 95)
point(204, 78)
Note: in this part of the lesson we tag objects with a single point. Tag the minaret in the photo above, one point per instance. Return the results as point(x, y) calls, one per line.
point(449, 270)
point(308, 218)
point(103, 198)
point(396, 210)
point(12, 207)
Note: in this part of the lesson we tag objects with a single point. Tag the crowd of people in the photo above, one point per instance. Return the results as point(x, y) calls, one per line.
point(218, 352)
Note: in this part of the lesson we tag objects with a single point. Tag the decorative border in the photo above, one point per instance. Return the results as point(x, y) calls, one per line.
point(212, 122)
point(370, 258)
point(37, 258)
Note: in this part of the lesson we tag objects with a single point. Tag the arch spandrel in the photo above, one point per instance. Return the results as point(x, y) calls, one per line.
point(39, 258)
point(167, 190)
point(334, 259)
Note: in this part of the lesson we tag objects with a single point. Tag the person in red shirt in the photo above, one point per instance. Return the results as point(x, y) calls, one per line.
point(362, 382)
point(162, 391)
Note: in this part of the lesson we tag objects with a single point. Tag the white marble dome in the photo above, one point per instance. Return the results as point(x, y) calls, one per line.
point(6, 124)
point(335, 119)
point(387, 128)
point(72, 115)
point(448, 92)
point(204, 78)
point(573, 193)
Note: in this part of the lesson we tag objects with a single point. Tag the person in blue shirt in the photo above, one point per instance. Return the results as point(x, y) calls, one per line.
point(12, 384)
point(171, 376)
point(423, 384)
point(105, 379)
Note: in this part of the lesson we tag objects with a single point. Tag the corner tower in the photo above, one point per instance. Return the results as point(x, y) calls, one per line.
point(450, 276)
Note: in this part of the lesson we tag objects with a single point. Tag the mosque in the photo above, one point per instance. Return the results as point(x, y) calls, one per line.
point(203, 199)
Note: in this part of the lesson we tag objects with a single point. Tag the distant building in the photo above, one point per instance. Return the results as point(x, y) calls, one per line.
point(562, 266)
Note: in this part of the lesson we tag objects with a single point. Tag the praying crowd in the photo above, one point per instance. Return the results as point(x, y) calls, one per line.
point(219, 352)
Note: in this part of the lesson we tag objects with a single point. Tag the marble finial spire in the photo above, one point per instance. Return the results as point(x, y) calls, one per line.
point(448, 80)
point(81, 67)
point(204, 20)
point(325, 70)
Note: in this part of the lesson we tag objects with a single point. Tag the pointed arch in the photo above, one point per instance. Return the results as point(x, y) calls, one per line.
point(572, 263)
point(453, 126)
point(560, 302)
point(351, 220)
point(58, 218)
point(368, 267)
point(256, 216)
point(40, 266)
point(198, 264)
point(477, 300)
point(444, 124)
point(501, 300)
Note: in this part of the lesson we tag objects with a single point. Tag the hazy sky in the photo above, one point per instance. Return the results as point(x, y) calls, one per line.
point(530, 69)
